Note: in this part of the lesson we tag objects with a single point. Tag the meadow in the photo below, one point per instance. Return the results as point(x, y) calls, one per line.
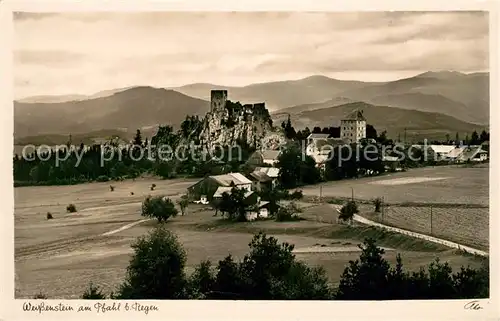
point(59, 257)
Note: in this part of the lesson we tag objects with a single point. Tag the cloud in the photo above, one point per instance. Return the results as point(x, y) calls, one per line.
point(73, 53)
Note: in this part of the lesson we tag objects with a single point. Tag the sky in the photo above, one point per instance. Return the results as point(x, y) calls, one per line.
point(84, 53)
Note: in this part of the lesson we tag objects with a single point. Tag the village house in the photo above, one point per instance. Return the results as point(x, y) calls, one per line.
point(468, 154)
point(439, 152)
point(208, 186)
point(264, 178)
point(264, 157)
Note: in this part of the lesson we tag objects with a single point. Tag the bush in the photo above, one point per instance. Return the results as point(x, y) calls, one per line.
point(202, 280)
point(131, 193)
point(49, 216)
point(153, 186)
point(102, 178)
point(377, 203)
point(156, 270)
point(111, 188)
point(71, 208)
point(288, 213)
point(93, 293)
point(297, 195)
point(348, 210)
point(40, 296)
point(158, 207)
point(183, 203)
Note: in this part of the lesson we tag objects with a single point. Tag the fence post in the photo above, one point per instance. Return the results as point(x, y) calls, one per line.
point(431, 219)
point(383, 208)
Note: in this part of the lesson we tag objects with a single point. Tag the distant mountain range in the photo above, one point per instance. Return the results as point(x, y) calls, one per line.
point(127, 110)
point(432, 101)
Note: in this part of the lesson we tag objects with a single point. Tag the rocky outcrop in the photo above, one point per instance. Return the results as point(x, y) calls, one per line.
point(230, 123)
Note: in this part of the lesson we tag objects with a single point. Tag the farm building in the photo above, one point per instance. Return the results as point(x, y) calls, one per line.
point(264, 157)
point(209, 185)
point(264, 178)
point(439, 152)
point(261, 210)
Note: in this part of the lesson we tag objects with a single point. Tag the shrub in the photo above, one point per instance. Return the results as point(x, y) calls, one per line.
point(377, 203)
point(156, 270)
point(297, 195)
point(153, 186)
point(111, 188)
point(288, 213)
point(40, 296)
point(202, 280)
point(49, 216)
point(102, 178)
point(71, 208)
point(131, 193)
point(93, 293)
point(183, 203)
point(158, 207)
point(348, 210)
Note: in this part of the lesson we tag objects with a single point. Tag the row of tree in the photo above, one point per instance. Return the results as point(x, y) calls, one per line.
point(112, 161)
point(270, 271)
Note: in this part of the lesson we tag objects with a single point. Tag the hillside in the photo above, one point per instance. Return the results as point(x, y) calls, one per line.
point(279, 94)
point(462, 96)
point(393, 120)
point(138, 107)
point(66, 98)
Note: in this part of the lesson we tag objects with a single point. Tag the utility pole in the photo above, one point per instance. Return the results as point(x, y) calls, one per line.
point(320, 192)
point(405, 137)
point(352, 194)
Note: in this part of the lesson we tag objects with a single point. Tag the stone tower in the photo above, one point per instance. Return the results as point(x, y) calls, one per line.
point(353, 127)
point(218, 99)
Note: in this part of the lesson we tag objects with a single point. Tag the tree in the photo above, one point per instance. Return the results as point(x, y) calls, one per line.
point(270, 271)
point(158, 207)
point(156, 269)
point(138, 138)
point(378, 203)
point(316, 130)
point(296, 168)
point(474, 140)
point(366, 278)
point(348, 210)
point(484, 136)
point(288, 129)
point(202, 280)
point(371, 132)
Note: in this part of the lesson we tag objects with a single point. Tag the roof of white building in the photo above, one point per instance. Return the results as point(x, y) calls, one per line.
point(223, 189)
point(272, 172)
point(318, 136)
point(442, 149)
point(236, 178)
point(456, 152)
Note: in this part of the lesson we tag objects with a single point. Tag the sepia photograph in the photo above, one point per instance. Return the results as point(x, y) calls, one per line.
point(210, 155)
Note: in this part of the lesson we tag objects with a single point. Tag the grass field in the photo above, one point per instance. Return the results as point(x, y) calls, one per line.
point(458, 197)
point(468, 226)
point(60, 257)
point(458, 185)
